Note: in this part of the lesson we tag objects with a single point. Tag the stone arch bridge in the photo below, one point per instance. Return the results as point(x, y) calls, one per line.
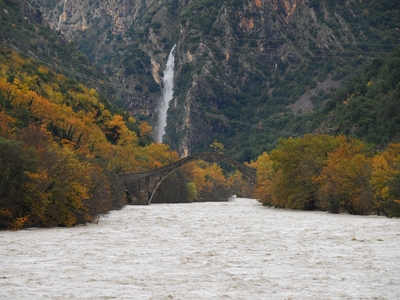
point(140, 187)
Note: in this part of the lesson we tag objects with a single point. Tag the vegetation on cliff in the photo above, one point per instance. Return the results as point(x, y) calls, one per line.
point(268, 63)
point(62, 147)
point(367, 106)
point(248, 73)
point(356, 169)
point(23, 28)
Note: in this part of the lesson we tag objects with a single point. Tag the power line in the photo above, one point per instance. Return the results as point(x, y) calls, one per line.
point(79, 74)
point(144, 96)
point(325, 53)
point(280, 40)
point(223, 118)
point(98, 80)
point(147, 97)
point(368, 54)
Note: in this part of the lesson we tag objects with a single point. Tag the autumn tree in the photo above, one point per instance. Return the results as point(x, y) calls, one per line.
point(296, 164)
point(145, 132)
point(263, 190)
point(115, 129)
point(217, 147)
point(192, 192)
point(239, 185)
point(157, 155)
point(16, 161)
point(7, 124)
point(57, 190)
point(210, 182)
point(385, 181)
point(344, 181)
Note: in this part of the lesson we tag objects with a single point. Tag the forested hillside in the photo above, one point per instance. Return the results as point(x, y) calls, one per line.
point(81, 81)
point(368, 105)
point(24, 29)
point(62, 148)
point(266, 63)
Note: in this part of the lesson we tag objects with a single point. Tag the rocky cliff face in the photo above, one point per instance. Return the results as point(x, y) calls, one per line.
point(247, 60)
point(108, 32)
point(29, 11)
point(70, 16)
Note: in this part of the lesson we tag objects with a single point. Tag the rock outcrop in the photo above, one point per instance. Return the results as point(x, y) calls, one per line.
point(233, 58)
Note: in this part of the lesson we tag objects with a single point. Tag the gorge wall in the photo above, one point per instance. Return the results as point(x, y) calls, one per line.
point(247, 61)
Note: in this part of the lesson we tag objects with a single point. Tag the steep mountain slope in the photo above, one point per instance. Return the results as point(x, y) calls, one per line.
point(246, 71)
point(23, 28)
point(368, 106)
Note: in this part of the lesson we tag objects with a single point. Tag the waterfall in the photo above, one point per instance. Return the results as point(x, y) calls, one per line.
point(168, 83)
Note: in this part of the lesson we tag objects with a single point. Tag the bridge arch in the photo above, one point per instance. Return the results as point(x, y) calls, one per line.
point(249, 172)
point(142, 186)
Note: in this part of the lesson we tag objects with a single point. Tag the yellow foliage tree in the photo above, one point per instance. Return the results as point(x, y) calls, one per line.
point(210, 182)
point(344, 181)
point(158, 155)
point(385, 180)
point(296, 163)
point(55, 193)
point(217, 147)
point(145, 129)
point(263, 190)
point(7, 124)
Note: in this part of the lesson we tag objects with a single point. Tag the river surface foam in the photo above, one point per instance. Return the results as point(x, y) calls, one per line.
point(225, 250)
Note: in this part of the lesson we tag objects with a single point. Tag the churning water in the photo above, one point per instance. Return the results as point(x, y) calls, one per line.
point(168, 91)
point(225, 250)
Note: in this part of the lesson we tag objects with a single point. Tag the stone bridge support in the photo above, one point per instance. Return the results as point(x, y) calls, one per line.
point(140, 187)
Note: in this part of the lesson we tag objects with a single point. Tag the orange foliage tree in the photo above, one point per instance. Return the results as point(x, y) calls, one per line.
point(344, 181)
point(207, 182)
point(296, 164)
point(385, 181)
point(78, 147)
point(263, 190)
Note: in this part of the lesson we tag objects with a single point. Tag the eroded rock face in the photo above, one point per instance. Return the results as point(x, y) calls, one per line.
point(70, 16)
point(222, 51)
point(29, 10)
point(286, 7)
point(258, 3)
point(104, 30)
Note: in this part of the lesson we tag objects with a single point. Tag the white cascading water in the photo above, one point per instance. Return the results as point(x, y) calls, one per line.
point(167, 95)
